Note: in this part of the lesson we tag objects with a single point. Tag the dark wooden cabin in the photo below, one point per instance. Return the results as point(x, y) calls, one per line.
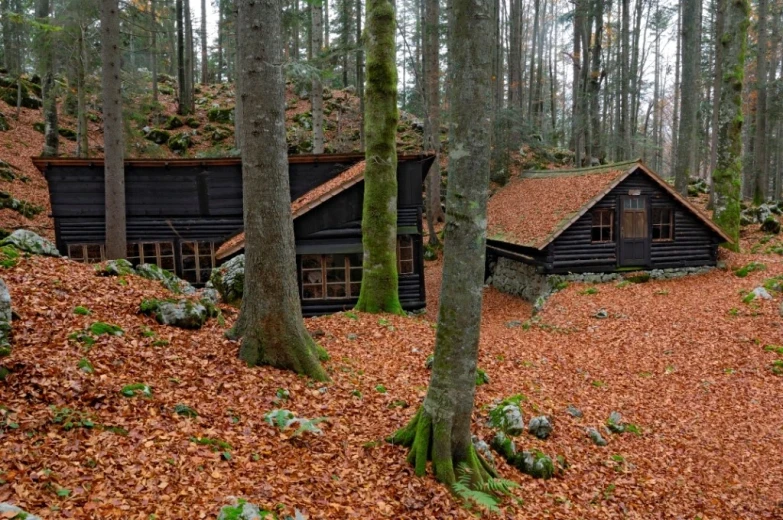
point(185, 215)
point(616, 217)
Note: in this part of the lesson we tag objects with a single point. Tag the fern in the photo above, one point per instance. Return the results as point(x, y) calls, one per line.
point(488, 494)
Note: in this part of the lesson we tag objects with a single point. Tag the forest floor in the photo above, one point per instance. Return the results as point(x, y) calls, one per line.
point(684, 360)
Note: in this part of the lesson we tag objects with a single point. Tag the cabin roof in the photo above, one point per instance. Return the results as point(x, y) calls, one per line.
point(533, 209)
point(305, 203)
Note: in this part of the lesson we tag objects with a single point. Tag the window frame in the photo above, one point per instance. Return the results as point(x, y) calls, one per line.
point(197, 257)
point(323, 284)
point(658, 223)
point(409, 263)
point(156, 258)
point(602, 225)
point(85, 257)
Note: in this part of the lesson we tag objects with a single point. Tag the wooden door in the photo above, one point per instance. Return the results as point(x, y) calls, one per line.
point(634, 231)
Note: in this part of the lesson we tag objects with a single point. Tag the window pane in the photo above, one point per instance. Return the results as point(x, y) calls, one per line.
point(311, 261)
point(406, 267)
point(94, 253)
point(312, 292)
point(334, 260)
point(335, 290)
point(312, 276)
point(76, 252)
point(355, 288)
point(150, 253)
point(167, 263)
point(335, 275)
point(355, 259)
point(356, 275)
point(166, 249)
point(132, 250)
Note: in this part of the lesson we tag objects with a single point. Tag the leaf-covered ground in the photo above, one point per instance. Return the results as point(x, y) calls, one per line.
point(684, 360)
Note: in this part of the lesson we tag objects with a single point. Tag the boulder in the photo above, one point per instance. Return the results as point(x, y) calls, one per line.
point(119, 267)
point(535, 464)
point(540, 426)
point(185, 314)
point(158, 136)
point(221, 115)
point(240, 510)
point(7, 510)
point(173, 123)
point(192, 122)
point(30, 242)
point(219, 134)
point(771, 225)
point(761, 293)
point(229, 279)
point(509, 420)
point(595, 436)
point(5, 319)
point(23, 208)
point(4, 126)
point(503, 445)
point(210, 295)
point(180, 142)
point(67, 133)
point(573, 411)
point(615, 423)
point(482, 448)
point(168, 279)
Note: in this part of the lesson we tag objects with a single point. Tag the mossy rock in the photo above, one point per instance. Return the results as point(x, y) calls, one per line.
point(39, 126)
point(229, 279)
point(173, 122)
point(67, 133)
point(192, 122)
point(166, 90)
point(184, 314)
point(771, 225)
point(168, 279)
point(220, 134)
point(158, 136)
point(119, 267)
point(30, 242)
point(221, 115)
point(180, 142)
point(4, 126)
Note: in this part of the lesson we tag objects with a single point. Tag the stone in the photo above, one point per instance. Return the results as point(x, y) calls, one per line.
point(30, 242)
point(771, 225)
point(535, 464)
point(482, 448)
point(761, 293)
point(180, 142)
point(25, 209)
point(508, 420)
point(429, 362)
point(503, 445)
point(20, 514)
point(119, 267)
point(67, 133)
point(240, 510)
point(192, 122)
point(4, 126)
point(184, 314)
point(157, 136)
point(229, 279)
point(573, 411)
point(780, 310)
point(615, 423)
point(221, 115)
point(219, 134)
point(601, 314)
point(513, 324)
point(595, 436)
point(209, 294)
point(5, 317)
point(168, 279)
point(540, 426)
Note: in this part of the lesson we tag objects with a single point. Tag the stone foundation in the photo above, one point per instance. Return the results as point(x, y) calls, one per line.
point(520, 279)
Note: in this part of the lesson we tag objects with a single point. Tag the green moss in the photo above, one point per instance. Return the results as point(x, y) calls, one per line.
point(135, 389)
point(9, 256)
point(85, 366)
point(99, 328)
point(185, 411)
point(322, 354)
point(81, 311)
point(748, 268)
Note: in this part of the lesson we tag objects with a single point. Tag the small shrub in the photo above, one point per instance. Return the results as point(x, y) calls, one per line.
point(323, 355)
point(749, 298)
point(638, 278)
point(214, 444)
point(82, 311)
point(136, 389)
point(777, 349)
point(99, 328)
point(481, 377)
point(9, 256)
point(85, 366)
point(777, 367)
point(751, 267)
point(380, 389)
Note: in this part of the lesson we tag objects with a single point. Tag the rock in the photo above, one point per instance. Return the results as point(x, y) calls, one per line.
point(173, 123)
point(30, 242)
point(482, 448)
point(209, 294)
point(219, 134)
point(67, 133)
point(540, 426)
point(5, 318)
point(39, 126)
point(503, 445)
point(221, 115)
point(771, 225)
point(229, 279)
point(595, 436)
point(240, 510)
point(601, 314)
point(180, 142)
point(747, 218)
point(513, 324)
point(429, 362)
point(573, 411)
point(158, 136)
point(119, 267)
point(185, 314)
point(192, 122)
point(4, 127)
point(761, 293)
point(615, 423)
point(23, 208)
point(535, 464)
point(20, 514)
point(168, 279)
point(509, 420)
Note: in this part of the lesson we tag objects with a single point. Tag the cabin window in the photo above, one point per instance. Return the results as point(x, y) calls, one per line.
point(662, 224)
point(158, 253)
point(198, 260)
point(331, 277)
point(87, 253)
point(405, 255)
point(603, 226)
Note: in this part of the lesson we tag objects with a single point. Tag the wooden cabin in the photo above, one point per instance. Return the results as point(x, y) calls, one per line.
point(610, 218)
point(185, 215)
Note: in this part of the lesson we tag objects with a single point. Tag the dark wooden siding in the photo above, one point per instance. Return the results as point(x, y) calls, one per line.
point(694, 243)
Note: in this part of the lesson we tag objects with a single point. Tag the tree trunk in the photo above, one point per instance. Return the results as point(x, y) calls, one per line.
point(220, 49)
point(432, 120)
point(111, 85)
point(360, 71)
point(379, 291)
point(273, 331)
point(578, 117)
point(689, 96)
point(677, 89)
point(595, 81)
point(317, 94)
point(760, 167)
point(440, 430)
point(624, 133)
point(46, 69)
point(238, 87)
point(154, 50)
point(189, 61)
point(204, 59)
point(82, 143)
point(183, 104)
point(727, 176)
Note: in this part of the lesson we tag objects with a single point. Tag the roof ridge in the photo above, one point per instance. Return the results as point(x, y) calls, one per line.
point(575, 171)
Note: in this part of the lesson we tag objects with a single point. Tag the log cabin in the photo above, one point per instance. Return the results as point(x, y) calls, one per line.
point(185, 215)
point(595, 220)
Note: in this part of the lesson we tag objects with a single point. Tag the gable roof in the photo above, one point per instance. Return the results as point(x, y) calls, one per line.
point(310, 200)
point(535, 208)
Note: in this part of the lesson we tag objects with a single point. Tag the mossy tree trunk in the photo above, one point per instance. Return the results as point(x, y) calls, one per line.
point(272, 326)
point(113, 142)
point(760, 159)
point(44, 46)
point(379, 292)
point(431, 54)
point(440, 431)
point(317, 95)
point(689, 100)
point(726, 179)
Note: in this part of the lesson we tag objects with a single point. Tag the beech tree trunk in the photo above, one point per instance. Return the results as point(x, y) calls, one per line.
point(46, 68)
point(760, 167)
point(272, 326)
point(154, 49)
point(317, 94)
point(689, 96)
point(379, 291)
point(111, 85)
point(204, 58)
point(726, 178)
point(431, 61)
point(440, 430)
point(183, 104)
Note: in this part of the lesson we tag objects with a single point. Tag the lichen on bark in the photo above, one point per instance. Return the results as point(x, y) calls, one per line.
point(379, 291)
